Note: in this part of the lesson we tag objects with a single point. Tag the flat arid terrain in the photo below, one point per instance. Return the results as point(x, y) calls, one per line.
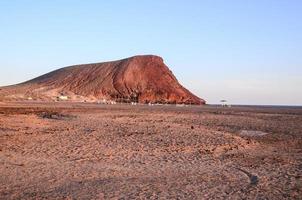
point(94, 151)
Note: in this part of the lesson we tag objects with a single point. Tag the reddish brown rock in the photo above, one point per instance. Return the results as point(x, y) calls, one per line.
point(140, 78)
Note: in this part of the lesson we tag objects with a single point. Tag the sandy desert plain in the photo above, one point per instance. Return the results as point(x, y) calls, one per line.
point(92, 151)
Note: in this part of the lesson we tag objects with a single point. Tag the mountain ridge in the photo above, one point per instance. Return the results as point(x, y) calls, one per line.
point(142, 78)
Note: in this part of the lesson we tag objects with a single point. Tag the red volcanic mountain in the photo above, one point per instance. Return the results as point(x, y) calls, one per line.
point(141, 79)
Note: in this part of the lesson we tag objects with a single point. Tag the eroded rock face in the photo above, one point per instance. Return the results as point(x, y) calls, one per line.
point(142, 79)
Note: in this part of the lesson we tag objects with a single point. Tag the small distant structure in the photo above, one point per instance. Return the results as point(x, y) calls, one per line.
point(107, 102)
point(224, 103)
point(112, 102)
point(29, 98)
point(62, 98)
point(103, 101)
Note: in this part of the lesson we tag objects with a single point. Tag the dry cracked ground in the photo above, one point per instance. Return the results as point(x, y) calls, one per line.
point(89, 151)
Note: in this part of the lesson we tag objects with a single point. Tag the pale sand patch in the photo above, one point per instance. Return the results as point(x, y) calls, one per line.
point(252, 133)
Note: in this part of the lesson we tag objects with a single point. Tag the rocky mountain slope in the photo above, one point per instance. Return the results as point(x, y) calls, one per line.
point(143, 79)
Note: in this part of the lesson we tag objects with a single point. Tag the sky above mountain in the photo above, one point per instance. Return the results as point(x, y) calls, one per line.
point(248, 52)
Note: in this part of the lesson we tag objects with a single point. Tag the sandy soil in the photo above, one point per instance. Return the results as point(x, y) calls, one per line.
point(87, 151)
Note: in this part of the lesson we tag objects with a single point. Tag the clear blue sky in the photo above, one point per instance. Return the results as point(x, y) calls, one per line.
point(245, 51)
